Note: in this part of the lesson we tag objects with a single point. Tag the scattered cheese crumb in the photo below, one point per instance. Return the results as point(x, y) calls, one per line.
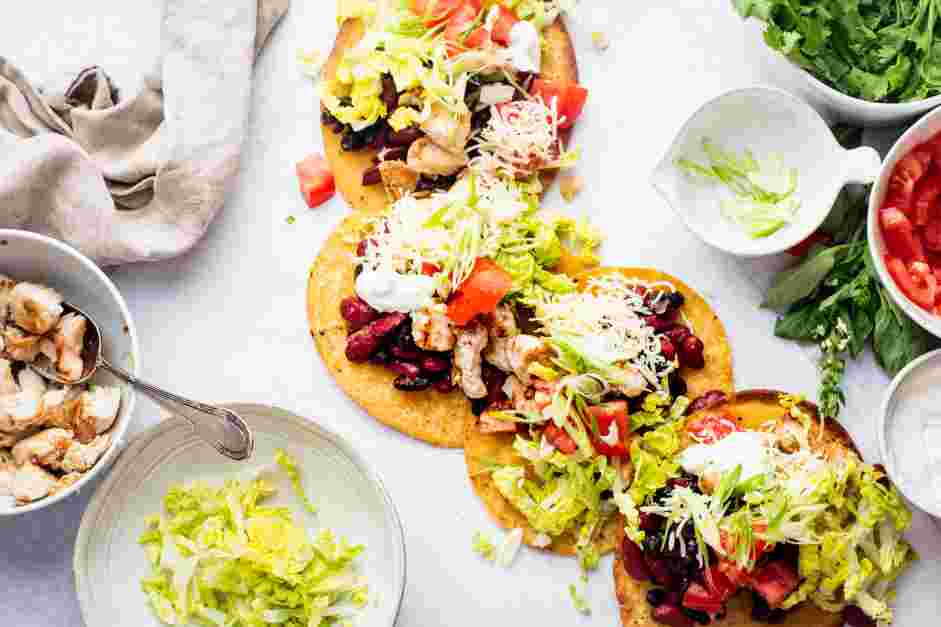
point(600, 40)
point(311, 62)
point(571, 185)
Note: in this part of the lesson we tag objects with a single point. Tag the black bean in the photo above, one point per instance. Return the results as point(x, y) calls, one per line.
point(698, 616)
point(352, 142)
point(855, 617)
point(411, 384)
point(435, 363)
point(676, 299)
point(655, 596)
point(443, 384)
point(381, 357)
point(677, 384)
point(478, 405)
point(372, 176)
point(395, 154)
point(404, 137)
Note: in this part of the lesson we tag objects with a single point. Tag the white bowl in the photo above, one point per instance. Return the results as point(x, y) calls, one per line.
point(351, 500)
point(866, 113)
point(765, 120)
point(921, 131)
point(27, 256)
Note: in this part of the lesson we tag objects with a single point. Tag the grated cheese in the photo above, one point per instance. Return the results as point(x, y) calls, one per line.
point(521, 138)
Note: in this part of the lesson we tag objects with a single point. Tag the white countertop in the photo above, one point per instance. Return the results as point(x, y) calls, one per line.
point(227, 321)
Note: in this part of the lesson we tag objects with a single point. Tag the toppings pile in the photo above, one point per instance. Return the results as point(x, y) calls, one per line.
point(50, 435)
point(779, 511)
point(435, 86)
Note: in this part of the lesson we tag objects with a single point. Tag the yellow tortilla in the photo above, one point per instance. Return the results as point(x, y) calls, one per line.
point(753, 408)
point(480, 448)
point(558, 63)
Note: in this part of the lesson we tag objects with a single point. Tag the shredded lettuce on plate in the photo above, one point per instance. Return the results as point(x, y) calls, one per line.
point(222, 557)
point(762, 199)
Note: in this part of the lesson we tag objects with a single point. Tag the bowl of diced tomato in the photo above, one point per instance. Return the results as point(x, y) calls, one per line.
point(905, 222)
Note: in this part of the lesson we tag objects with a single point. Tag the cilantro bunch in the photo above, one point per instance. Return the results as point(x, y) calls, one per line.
point(833, 297)
point(877, 50)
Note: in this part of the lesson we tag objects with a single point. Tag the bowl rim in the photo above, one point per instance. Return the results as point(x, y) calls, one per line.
point(121, 429)
point(914, 107)
point(882, 426)
point(926, 320)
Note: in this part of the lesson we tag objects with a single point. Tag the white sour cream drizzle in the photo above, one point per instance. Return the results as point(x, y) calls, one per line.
point(386, 290)
point(525, 51)
point(748, 449)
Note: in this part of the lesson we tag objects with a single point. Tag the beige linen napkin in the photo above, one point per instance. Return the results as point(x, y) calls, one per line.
point(142, 179)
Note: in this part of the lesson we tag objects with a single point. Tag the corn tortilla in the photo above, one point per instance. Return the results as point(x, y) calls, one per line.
point(558, 63)
point(480, 448)
point(754, 407)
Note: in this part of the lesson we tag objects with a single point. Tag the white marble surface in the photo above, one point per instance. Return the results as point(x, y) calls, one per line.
point(227, 323)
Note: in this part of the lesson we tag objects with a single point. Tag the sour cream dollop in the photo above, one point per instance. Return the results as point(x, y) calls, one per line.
point(748, 449)
point(525, 49)
point(387, 291)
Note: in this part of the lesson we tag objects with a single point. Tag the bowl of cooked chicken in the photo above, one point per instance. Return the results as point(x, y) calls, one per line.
point(54, 437)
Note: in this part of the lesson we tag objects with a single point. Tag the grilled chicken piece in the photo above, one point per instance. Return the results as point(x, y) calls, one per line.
point(99, 408)
point(69, 339)
point(635, 384)
point(489, 424)
point(22, 411)
point(7, 382)
point(398, 178)
point(524, 350)
point(30, 483)
point(65, 481)
point(432, 330)
point(36, 308)
point(470, 343)
point(427, 157)
point(502, 330)
point(448, 130)
point(20, 345)
point(46, 448)
point(80, 457)
point(60, 408)
point(788, 435)
point(6, 295)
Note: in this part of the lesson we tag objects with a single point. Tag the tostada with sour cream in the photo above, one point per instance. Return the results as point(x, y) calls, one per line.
point(416, 91)
point(552, 452)
point(761, 513)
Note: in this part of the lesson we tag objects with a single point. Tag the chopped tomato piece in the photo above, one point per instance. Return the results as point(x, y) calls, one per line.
point(925, 200)
point(908, 171)
point(931, 235)
point(480, 293)
point(774, 581)
point(606, 415)
point(430, 269)
point(316, 180)
point(506, 19)
point(817, 237)
point(899, 234)
point(697, 597)
point(916, 281)
point(569, 98)
point(560, 439)
point(711, 428)
point(435, 11)
point(461, 34)
point(721, 586)
point(734, 573)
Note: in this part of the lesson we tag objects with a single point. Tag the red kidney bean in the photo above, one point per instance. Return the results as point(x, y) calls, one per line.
point(390, 95)
point(710, 399)
point(372, 176)
point(395, 154)
point(443, 384)
point(404, 368)
point(660, 572)
point(366, 341)
point(674, 597)
point(855, 617)
point(677, 333)
point(634, 562)
point(691, 353)
point(380, 357)
point(667, 349)
point(357, 313)
point(404, 137)
point(363, 244)
point(494, 378)
point(404, 352)
point(411, 384)
point(659, 324)
point(671, 615)
point(649, 522)
point(432, 363)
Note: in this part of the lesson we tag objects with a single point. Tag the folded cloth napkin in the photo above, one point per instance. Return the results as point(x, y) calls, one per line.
point(142, 179)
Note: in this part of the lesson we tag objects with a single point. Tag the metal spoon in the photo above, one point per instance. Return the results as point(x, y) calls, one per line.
point(223, 428)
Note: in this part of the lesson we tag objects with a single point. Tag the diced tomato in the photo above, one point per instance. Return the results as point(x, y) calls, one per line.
point(316, 180)
point(560, 439)
point(435, 11)
point(775, 581)
point(486, 286)
point(925, 200)
point(908, 171)
point(606, 414)
point(506, 19)
point(899, 235)
point(711, 428)
point(430, 269)
point(931, 235)
point(737, 575)
point(460, 32)
point(759, 547)
point(569, 98)
point(697, 597)
point(817, 237)
point(916, 281)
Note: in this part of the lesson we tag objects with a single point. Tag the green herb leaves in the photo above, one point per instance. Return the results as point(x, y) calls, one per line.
point(882, 51)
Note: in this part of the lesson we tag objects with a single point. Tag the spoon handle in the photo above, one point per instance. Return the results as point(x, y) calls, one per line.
point(222, 428)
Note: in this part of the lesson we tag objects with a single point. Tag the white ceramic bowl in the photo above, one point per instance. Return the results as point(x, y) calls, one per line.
point(767, 121)
point(924, 129)
point(27, 256)
point(865, 113)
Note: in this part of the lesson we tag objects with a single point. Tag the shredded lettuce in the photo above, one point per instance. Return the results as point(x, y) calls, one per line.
point(221, 556)
point(578, 600)
point(289, 466)
point(484, 547)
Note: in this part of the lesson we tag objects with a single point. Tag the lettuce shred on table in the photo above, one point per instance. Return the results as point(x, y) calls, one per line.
point(221, 556)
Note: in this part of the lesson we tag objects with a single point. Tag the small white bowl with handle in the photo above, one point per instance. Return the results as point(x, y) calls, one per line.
point(767, 121)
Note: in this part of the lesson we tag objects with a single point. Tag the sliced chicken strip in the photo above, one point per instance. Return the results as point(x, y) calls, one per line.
point(23, 411)
point(7, 382)
point(449, 130)
point(432, 330)
point(31, 483)
point(80, 457)
point(635, 385)
point(489, 424)
point(20, 345)
point(46, 448)
point(470, 343)
point(524, 350)
point(99, 407)
point(398, 178)
point(426, 157)
point(36, 308)
point(502, 329)
point(69, 339)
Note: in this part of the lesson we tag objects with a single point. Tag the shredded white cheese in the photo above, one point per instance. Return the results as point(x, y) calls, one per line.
point(521, 138)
